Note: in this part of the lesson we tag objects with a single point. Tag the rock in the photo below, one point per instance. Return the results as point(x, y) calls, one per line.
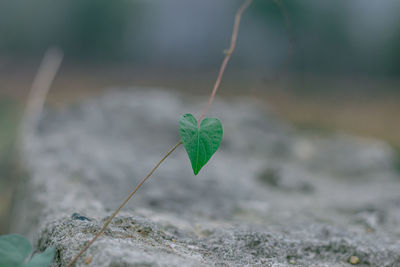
point(271, 196)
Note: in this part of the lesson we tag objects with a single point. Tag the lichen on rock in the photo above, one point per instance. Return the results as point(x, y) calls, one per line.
point(271, 196)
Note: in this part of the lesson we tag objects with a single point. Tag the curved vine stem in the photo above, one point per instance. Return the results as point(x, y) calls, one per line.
point(121, 206)
point(214, 91)
point(228, 54)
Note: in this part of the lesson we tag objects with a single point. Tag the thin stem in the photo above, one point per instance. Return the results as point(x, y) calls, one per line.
point(38, 93)
point(214, 91)
point(228, 54)
point(122, 205)
point(36, 99)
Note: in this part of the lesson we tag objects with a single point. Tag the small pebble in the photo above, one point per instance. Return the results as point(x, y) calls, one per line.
point(354, 260)
point(88, 260)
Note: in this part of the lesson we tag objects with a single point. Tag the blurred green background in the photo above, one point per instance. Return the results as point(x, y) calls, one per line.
point(323, 65)
point(331, 37)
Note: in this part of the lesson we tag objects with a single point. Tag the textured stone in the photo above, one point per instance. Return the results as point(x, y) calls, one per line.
point(271, 196)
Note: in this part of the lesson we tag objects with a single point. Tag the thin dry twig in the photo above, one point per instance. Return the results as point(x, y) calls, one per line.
point(224, 63)
point(38, 93)
point(36, 98)
point(121, 206)
point(228, 54)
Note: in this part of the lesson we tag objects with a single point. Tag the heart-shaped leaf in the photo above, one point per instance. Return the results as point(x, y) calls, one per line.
point(15, 250)
point(200, 143)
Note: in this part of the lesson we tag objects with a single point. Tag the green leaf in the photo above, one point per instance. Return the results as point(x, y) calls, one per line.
point(15, 250)
point(42, 259)
point(200, 144)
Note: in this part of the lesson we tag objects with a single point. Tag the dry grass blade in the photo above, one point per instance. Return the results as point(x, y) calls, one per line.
point(37, 97)
point(38, 93)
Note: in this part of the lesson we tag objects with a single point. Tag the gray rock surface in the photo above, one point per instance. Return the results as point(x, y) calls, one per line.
point(271, 196)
